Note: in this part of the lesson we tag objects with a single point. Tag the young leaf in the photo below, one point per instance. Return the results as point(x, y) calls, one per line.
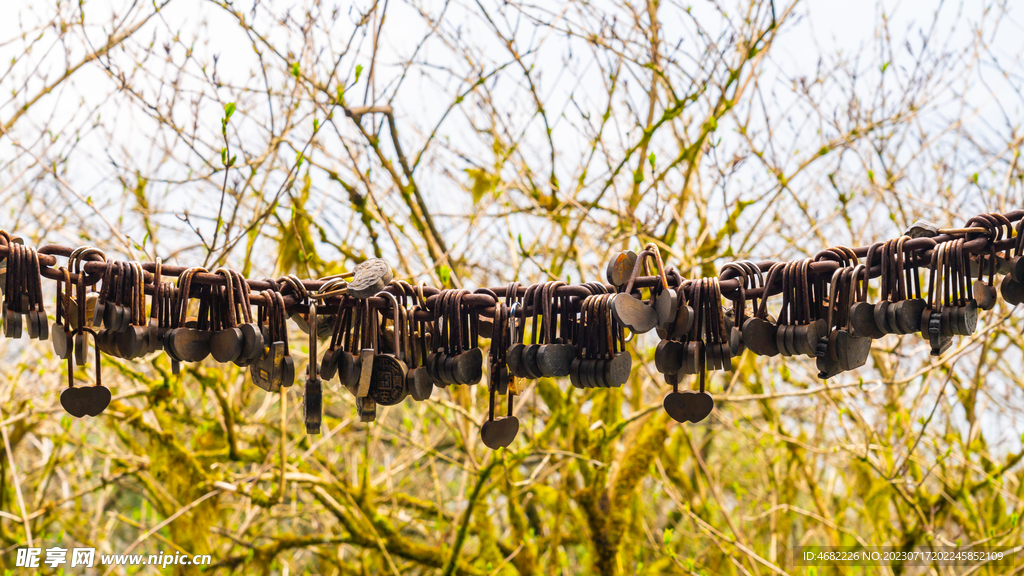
point(229, 109)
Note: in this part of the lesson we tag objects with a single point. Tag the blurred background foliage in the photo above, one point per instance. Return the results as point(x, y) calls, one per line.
point(472, 143)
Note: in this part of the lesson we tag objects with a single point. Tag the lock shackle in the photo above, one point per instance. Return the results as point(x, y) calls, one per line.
point(847, 294)
point(420, 297)
point(704, 334)
point(964, 275)
point(527, 303)
point(953, 261)
point(311, 366)
point(454, 321)
point(762, 309)
point(716, 330)
point(640, 259)
point(17, 277)
point(281, 320)
point(130, 292)
point(182, 290)
point(849, 256)
point(755, 272)
point(803, 286)
point(1007, 226)
point(465, 332)
point(185, 287)
point(267, 314)
point(787, 293)
point(597, 311)
point(740, 269)
point(11, 273)
point(333, 287)
point(608, 321)
point(913, 274)
point(243, 292)
point(230, 293)
point(833, 295)
point(108, 281)
point(1000, 225)
point(838, 253)
point(740, 305)
point(540, 310)
point(756, 280)
point(590, 311)
point(790, 296)
point(139, 296)
point(63, 294)
point(958, 266)
point(846, 255)
point(716, 288)
point(993, 228)
point(438, 310)
point(550, 289)
point(949, 284)
point(301, 294)
point(409, 292)
point(885, 272)
point(931, 276)
point(653, 248)
point(944, 264)
point(705, 318)
point(421, 341)
point(901, 263)
point(697, 302)
point(872, 251)
point(898, 268)
point(396, 321)
point(935, 284)
point(511, 298)
point(28, 277)
point(450, 334)
point(37, 283)
point(120, 281)
point(80, 254)
point(512, 322)
point(860, 275)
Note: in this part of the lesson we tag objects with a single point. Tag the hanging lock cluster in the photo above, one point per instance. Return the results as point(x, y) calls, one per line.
point(830, 319)
point(387, 340)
